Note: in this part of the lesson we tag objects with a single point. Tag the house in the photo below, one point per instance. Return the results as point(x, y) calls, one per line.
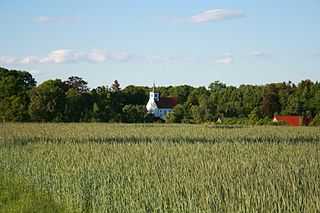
point(158, 106)
point(291, 120)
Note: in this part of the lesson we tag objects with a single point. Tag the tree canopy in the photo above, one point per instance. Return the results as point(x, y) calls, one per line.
point(72, 101)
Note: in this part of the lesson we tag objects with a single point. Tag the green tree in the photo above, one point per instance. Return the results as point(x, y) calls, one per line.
point(47, 101)
point(13, 82)
point(176, 115)
point(270, 104)
point(254, 116)
point(193, 98)
point(316, 120)
point(205, 111)
point(181, 92)
point(293, 106)
point(14, 100)
point(217, 86)
point(251, 97)
point(102, 104)
point(135, 95)
point(76, 106)
point(14, 108)
point(134, 114)
point(76, 83)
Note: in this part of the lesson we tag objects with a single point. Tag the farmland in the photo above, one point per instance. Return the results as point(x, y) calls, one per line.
point(165, 168)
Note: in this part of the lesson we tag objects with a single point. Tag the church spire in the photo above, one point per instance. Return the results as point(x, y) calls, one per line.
point(154, 95)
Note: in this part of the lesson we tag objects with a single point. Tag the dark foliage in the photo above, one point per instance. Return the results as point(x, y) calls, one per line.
point(72, 101)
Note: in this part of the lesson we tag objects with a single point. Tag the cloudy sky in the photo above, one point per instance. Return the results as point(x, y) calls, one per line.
point(171, 42)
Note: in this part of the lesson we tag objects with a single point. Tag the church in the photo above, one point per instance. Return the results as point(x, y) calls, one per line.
point(158, 106)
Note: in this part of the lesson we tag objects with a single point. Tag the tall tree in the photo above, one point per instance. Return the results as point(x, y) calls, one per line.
point(270, 104)
point(115, 86)
point(13, 82)
point(102, 104)
point(78, 100)
point(14, 100)
point(217, 86)
point(77, 106)
point(77, 83)
point(205, 111)
point(47, 101)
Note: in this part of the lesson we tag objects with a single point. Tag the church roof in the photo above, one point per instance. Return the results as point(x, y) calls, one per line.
point(167, 102)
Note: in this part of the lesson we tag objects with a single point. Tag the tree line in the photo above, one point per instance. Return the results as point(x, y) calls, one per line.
point(22, 100)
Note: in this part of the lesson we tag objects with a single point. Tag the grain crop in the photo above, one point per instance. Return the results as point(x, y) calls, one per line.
point(166, 168)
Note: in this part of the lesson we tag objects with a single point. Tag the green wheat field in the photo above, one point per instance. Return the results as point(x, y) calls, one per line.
point(158, 168)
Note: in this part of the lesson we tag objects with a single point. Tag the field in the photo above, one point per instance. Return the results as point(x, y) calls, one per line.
point(160, 168)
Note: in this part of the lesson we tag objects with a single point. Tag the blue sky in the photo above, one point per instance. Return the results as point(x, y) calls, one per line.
point(170, 42)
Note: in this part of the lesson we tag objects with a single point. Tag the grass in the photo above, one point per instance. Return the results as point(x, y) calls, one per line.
point(15, 196)
point(165, 168)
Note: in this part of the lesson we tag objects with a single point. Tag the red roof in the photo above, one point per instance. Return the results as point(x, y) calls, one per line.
point(167, 102)
point(291, 120)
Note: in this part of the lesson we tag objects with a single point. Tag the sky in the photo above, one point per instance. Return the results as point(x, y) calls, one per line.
point(169, 42)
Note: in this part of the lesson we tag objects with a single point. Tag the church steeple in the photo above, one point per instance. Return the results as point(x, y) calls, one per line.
point(154, 94)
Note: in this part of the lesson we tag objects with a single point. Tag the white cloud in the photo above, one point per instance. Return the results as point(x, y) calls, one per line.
point(157, 58)
point(257, 55)
point(29, 60)
point(226, 59)
point(7, 60)
point(170, 58)
point(58, 56)
point(68, 56)
point(60, 20)
point(210, 16)
point(44, 19)
point(97, 56)
point(120, 56)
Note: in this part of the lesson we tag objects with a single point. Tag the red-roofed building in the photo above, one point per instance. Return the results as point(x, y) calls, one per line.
point(160, 107)
point(291, 120)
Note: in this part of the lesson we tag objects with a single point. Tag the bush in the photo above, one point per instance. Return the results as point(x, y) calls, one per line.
point(279, 123)
point(264, 121)
point(316, 120)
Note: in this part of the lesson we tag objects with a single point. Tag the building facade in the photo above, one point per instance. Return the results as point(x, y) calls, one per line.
point(159, 107)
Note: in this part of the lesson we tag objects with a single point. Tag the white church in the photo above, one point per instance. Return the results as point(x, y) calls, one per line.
point(160, 107)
